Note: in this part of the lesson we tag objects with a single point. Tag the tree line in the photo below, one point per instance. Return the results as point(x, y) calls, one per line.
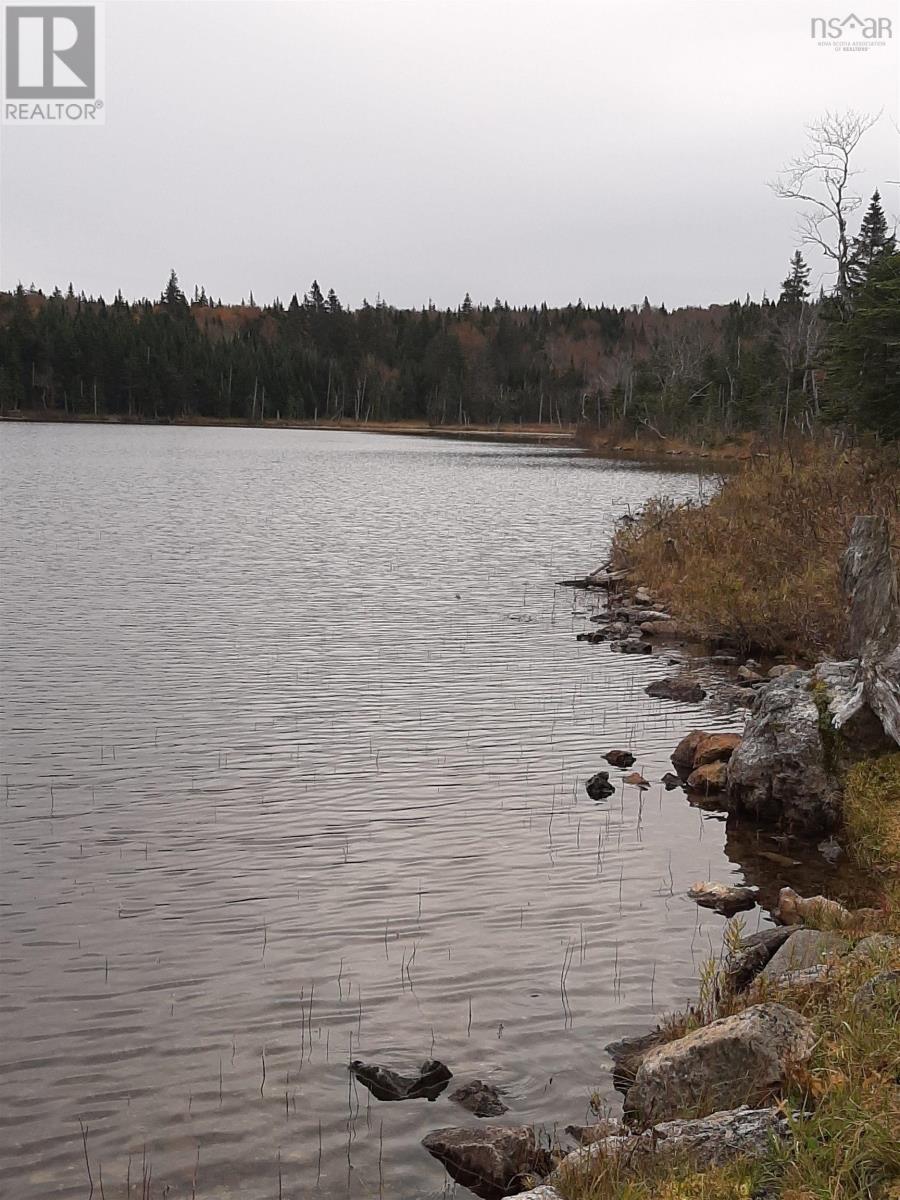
point(701, 373)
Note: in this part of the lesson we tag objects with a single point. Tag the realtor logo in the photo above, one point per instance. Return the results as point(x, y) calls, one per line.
point(52, 57)
point(851, 32)
point(50, 53)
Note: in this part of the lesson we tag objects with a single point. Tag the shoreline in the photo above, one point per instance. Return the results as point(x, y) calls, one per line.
point(527, 434)
point(684, 456)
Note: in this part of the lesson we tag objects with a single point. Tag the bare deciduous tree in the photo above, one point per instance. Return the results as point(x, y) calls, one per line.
point(821, 177)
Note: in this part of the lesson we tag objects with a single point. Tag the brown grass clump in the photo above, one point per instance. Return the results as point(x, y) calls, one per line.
point(760, 561)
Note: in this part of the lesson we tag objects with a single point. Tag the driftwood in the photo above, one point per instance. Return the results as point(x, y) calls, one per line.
point(869, 580)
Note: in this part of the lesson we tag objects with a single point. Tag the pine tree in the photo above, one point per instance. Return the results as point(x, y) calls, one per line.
point(332, 303)
point(864, 366)
point(795, 288)
point(466, 309)
point(872, 241)
point(173, 297)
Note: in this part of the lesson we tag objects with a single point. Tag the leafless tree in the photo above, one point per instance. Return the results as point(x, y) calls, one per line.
point(821, 178)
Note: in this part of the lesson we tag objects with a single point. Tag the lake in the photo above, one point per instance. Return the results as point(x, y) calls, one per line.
point(295, 736)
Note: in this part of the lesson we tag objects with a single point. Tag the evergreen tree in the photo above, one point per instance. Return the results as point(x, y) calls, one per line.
point(864, 366)
point(872, 241)
point(173, 297)
point(795, 288)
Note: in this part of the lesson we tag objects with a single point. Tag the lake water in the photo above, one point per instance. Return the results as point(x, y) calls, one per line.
point(295, 735)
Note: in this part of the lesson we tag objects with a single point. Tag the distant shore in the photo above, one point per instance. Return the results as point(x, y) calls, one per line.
point(592, 442)
point(508, 432)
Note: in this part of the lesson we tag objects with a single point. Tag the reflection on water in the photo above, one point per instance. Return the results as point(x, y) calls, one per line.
point(295, 735)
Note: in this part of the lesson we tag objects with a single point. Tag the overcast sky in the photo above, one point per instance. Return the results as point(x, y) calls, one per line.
point(532, 151)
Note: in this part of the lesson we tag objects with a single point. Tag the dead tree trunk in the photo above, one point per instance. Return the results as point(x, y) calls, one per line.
point(869, 580)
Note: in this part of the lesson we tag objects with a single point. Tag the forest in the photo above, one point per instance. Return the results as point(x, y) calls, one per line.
point(773, 366)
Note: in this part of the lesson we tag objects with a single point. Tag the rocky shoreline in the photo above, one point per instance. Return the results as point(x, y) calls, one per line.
point(708, 1086)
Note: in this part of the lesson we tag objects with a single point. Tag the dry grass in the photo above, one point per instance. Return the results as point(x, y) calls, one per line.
point(760, 561)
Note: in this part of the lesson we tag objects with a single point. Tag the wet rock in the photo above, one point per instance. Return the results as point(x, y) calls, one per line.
point(740, 1059)
point(635, 779)
point(677, 687)
point(671, 781)
point(721, 897)
point(598, 786)
point(480, 1098)
point(385, 1084)
point(586, 1135)
point(596, 635)
point(794, 909)
point(830, 850)
point(742, 967)
point(807, 948)
point(747, 675)
point(706, 1141)
point(619, 758)
point(629, 1052)
point(709, 779)
point(716, 747)
point(493, 1160)
point(683, 754)
point(728, 660)
point(780, 860)
point(886, 984)
point(736, 697)
point(642, 595)
point(781, 669)
point(778, 774)
point(658, 628)
point(632, 646)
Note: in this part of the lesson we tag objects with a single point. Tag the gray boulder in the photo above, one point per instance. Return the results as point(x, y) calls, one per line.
point(736, 1060)
point(493, 1160)
point(707, 1141)
point(876, 945)
point(805, 949)
point(780, 774)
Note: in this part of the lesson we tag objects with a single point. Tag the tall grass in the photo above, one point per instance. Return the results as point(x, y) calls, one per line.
point(760, 561)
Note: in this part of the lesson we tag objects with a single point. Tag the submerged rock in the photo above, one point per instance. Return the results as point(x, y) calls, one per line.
point(722, 898)
point(671, 781)
point(632, 646)
point(706, 1141)
point(677, 687)
point(493, 1160)
point(480, 1098)
point(807, 948)
point(620, 758)
point(598, 786)
point(385, 1084)
point(740, 1059)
